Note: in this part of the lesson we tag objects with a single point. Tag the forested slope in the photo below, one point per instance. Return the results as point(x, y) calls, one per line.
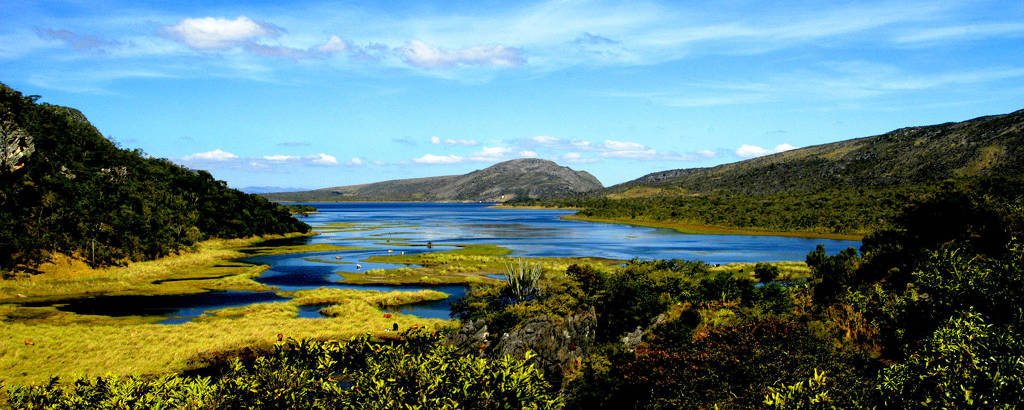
point(852, 187)
point(991, 145)
point(64, 188)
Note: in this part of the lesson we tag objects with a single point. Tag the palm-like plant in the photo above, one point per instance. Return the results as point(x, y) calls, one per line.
point(522, 278)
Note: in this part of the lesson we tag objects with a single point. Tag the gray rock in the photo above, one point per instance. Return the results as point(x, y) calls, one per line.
point(559, 344)
point(470, 339)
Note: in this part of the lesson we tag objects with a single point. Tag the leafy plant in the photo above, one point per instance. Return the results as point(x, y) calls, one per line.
point(521, 278)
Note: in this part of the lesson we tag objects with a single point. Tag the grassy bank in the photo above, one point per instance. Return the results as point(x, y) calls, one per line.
point(39, 342)
point(465, 265)
point(209, 266)
point(711, 229)
point(68, 345)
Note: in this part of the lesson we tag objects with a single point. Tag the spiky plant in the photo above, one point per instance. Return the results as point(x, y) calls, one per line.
point(522, 278)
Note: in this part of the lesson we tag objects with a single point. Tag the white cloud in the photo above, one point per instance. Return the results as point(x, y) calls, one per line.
point(334, 45)
point(631, 154)
point(527, 154)
point(707, 153)
point(279, 158)
point(783, 147)
point(626, 149)
point(577, 158)
point(215, 155)
point(622, 145)
point(323, 159)
point(435, 140)
point(423, 55)
point(209, 33)
point(546, 140)
point(355, 161)
point(751, 151)
point(438, 159)
point(490, 154)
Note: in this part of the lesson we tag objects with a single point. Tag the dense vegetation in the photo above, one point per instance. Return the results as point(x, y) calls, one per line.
point(416, 374)
point(66, 189)
point(928, 314)
point(833, 210)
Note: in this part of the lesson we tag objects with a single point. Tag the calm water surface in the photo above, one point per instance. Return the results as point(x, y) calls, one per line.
point(394, 228)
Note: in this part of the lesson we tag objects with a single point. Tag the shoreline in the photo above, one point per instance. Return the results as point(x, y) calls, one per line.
point(699, 229)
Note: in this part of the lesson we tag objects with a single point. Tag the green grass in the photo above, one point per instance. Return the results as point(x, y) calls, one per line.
point(465, 265)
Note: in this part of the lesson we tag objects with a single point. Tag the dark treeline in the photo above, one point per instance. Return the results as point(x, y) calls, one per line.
point(64, 188)
point(844, 210)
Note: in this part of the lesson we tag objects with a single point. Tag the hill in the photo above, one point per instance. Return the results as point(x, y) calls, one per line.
point(518, 178)
point(991, 145)
point(64, 188)
point(851, 187)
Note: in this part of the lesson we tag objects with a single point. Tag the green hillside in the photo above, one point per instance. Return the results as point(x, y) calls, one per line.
point(991, 145)
point(64, 188)
point(851, 187)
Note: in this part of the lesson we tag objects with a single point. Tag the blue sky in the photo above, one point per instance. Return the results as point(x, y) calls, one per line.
point(316, 94)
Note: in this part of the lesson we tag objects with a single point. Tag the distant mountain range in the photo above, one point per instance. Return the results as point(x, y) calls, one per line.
point(991, 145)
point(518, 178)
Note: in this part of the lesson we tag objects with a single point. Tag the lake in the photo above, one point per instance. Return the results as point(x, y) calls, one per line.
point(407, 227)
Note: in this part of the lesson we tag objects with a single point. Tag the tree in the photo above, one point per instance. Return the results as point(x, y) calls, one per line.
point(765, 272)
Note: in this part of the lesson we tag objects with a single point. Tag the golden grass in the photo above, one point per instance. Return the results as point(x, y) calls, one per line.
point(467, 264)
point(700, 229)
point(31, 353)
point(787, 270)
point(208, 267)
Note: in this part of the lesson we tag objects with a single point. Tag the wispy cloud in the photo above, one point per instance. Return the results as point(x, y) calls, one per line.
point(423, 55)
point(450, 141)
point(964, 32)
point(76, 40)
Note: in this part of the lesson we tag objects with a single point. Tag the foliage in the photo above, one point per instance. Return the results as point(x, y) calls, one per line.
point(298, 209)
point(833, 273)
point(982, 216)
point(966, 363)
point(521, 279)
point(419, 373)
point(837, 209)
point(814, 393)
point(724, 366)
point(78, 194)
point(765, 272)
